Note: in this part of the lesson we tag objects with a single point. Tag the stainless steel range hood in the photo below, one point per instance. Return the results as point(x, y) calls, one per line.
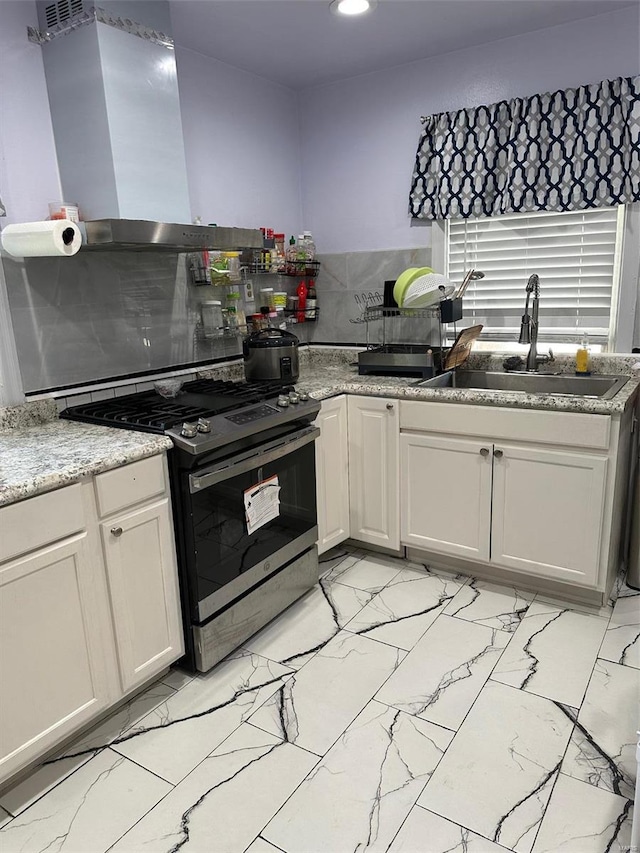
point(143, 235)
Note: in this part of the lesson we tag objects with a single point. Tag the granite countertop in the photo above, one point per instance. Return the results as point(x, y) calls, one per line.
point(39, 452)
point(37, 455)
point(323, 380)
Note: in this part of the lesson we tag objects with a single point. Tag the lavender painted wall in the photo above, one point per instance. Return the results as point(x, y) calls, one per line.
point(242, 145)
point(359, 136)
point(28, 167)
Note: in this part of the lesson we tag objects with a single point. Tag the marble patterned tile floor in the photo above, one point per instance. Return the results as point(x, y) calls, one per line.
point(393, 708)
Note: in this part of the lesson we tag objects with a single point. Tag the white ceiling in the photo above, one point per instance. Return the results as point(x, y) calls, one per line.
point(300, 44)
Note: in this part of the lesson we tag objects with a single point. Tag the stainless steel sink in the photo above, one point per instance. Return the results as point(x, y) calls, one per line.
point(603, 387)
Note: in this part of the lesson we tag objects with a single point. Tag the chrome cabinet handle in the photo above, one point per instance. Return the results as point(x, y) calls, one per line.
point(498, 454)
point(484, 451)
point(116, 531)
point(389, 406)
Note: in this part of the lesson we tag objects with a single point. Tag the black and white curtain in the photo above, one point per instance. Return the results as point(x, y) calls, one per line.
point(567, 150)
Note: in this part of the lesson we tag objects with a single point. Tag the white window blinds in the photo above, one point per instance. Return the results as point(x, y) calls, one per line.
point(573, 253)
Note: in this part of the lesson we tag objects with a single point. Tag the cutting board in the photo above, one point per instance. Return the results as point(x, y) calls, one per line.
point(461, 348)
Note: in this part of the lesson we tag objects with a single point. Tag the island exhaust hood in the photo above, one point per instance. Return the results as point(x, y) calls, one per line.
point(115, 110)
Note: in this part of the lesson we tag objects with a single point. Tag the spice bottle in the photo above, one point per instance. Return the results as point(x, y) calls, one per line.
point(311, 311)
point(302, 302)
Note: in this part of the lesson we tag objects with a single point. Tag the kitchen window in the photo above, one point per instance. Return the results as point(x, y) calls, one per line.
point(577, 255)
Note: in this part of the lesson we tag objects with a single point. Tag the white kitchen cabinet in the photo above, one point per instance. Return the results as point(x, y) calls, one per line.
point(374, 471)
point(332, 474)
point(446, 500)
point(548, 509)
point(536, 508)
point(143, 585)
point(54, 660)
point(83, 622)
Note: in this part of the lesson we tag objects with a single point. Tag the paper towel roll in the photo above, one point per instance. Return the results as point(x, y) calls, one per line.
point(42, 239)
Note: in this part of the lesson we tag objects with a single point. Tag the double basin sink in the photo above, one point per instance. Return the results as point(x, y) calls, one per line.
point(564, 385)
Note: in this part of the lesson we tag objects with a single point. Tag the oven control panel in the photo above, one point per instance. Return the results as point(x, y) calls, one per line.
point(252, 415)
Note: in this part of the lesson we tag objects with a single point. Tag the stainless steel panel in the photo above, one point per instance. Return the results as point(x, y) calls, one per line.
point(144, 235)
point(245, 462)
point(604, 387)
point(230, 629)
point(230, 591)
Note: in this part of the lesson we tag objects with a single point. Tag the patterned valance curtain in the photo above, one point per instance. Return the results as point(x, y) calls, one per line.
point(566, 150)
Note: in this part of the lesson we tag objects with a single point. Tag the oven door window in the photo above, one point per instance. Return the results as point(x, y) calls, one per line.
point(224, 549)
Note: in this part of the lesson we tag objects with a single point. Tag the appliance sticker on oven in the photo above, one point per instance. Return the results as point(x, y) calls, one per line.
point(262, 503)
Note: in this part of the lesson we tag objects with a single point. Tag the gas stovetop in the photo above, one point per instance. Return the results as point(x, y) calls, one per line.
point(206, 414)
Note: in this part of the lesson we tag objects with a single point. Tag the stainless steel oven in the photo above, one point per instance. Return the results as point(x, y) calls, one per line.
point(244, 499)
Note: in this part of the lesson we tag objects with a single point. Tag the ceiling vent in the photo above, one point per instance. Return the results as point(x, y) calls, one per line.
point(60, 12)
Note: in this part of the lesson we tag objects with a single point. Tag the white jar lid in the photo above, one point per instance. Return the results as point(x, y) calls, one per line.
point(266, 290)
point(211, 302)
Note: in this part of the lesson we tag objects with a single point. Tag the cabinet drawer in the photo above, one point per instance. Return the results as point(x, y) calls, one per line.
point(129, 485)
point(570, 428)
point(38, 521)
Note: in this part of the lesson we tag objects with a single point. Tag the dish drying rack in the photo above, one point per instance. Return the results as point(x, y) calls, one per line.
point(445, 311)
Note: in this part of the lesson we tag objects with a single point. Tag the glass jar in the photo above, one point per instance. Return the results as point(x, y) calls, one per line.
point(267, 297)
point(211, 315)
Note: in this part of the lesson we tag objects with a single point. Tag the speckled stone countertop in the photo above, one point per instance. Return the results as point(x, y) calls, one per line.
point(39, 455)
point(325, 382)
point(327, 375)
point(38, 452)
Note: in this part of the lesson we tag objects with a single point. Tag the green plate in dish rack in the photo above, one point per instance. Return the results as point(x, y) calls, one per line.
point(405, 279)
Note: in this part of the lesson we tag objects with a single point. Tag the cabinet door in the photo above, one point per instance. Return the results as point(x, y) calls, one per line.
point(332, 474)
point(373, 471)
point(446, 494)
point(52, 670)
point(547, 512)
point(143, 584)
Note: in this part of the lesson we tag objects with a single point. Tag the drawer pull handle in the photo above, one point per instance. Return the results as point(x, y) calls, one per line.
point(484, 451)
point(116, 531)
point(390, 406)
point(498, 454)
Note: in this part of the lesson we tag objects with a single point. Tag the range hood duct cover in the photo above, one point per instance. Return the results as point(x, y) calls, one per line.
point(115, 110)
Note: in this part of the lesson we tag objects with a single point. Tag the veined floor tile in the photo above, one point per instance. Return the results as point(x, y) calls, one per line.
point(621, 590)
point(496, 777)
point(552, 653)
point(177, 678)
point(441, 677)
point(89, 811)
point(362, 790)
point(308, 625)
point(584, 819)
point(370, 573)
point(331, 569)
point(602, 750)
point(406, 607)
point(49, 774)
point(424, 831)
point(224, 803)
point(315, 705)
point(622, 640)
point(175, 737)
point(330, 559)
point(490, 604)
point(262, 846)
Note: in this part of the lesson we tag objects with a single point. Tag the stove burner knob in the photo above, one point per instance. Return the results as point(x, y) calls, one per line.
point(283, 401)
point(294, 398)
point(303, 396)
point(203, 425)
point(189, 430)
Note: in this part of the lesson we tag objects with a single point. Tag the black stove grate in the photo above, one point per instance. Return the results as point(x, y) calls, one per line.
point(148, 411)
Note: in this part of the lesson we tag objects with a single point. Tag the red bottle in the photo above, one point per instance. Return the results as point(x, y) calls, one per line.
point(302, 301)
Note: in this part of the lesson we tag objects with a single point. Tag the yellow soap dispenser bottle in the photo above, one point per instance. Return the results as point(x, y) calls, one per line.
point(582, 358)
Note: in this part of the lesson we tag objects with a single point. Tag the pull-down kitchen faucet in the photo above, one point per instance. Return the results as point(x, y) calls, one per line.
point(529, 326)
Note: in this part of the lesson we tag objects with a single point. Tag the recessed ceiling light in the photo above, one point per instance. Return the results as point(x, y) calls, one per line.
point(351, 7)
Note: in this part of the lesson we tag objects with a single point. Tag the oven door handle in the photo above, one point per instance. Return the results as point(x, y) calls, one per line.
point(198, 482)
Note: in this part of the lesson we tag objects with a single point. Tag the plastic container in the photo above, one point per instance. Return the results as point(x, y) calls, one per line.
point(280, 299)
point(64, 210)
point(309, 246)
point(267, 297)
point(212, 320)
